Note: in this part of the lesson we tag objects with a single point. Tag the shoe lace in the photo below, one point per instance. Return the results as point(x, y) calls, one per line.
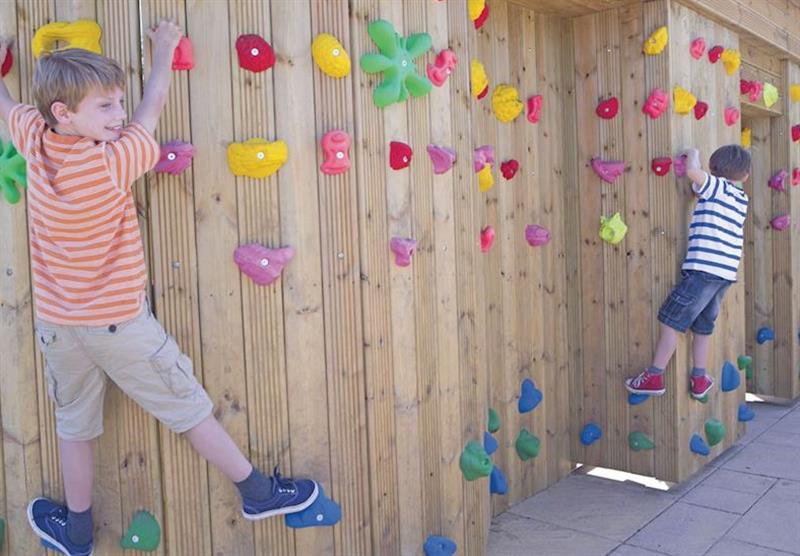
point(59, 515)
point(282, 484)
point(642, 378)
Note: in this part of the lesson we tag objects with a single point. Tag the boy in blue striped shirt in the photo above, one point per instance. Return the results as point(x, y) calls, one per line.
point(716, 239)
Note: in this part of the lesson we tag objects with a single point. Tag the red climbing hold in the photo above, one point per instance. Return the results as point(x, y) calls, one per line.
point(656, 103)
point(745, 86)
point(509, 168)
point(487, 238)
point(715, 53)
point(698, 48)
point(700, 110)
point(255, 54)
point(483, 17)
point(534, 108)
point(608, 108)
point(183, 57)
point(661, 165)
point(796, 132)
point(7, 63)
point(795, 177)
point(756, 90)
point(399, 155)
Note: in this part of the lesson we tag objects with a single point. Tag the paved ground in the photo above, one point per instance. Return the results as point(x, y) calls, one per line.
point(744, 503)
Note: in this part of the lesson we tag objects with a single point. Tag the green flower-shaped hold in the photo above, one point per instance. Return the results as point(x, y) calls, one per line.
point(143, 534)
point(396, 61)
point(12, 172)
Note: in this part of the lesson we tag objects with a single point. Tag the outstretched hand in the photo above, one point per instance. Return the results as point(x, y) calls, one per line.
point(165, 35)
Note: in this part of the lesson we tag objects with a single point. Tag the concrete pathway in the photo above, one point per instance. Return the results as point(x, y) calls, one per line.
point(744, 503)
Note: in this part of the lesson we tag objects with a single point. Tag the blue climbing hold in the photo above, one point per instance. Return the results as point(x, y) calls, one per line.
point(489, 443)
point(730, 377)
point(745, 413)
point(497, 482)
point(439, 546)
point(590, 433)
point(323, 512)
point(636, 399)
point(698, 445)
point(529, 396)
point(765, 334)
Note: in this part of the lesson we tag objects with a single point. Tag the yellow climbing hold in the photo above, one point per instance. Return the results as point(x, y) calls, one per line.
point(257, 158)
point(83, 34)
point(731, 59)
point(770, 94)
point(479, 80)
point(747, 137)
point(656, 42)
point(684, 100)
point(485, 178)
point(612, 229)
point(794, 93)
point(475, 8)
point(505, 103)
point(330, 55)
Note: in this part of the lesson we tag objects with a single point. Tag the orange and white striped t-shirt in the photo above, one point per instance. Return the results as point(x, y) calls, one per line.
point(87, 259)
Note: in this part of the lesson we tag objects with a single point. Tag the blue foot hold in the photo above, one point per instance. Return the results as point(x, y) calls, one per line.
point(529, 396)
point(323, 512)
point(745, 413)
point(765, 334)
point(730, 377)
point(497, 482)
point(590, 434)
point(636, 399)
point(699, 446)
point(489, 443)
point(439, 546)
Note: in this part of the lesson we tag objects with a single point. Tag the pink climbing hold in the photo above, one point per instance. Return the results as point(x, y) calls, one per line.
point(680, 166)
point(795, 177)
point(661, 165)
point(745, 86)
point(175, 157)
point(487, 238)
point(781, 222)
point(778, 180)
point(481, 157)
point(608, 170)
point(262, 264)
point(656, 103)
point(336, 150)
point(399, 155)
point(698, 48)
point(756, 90)
point(443, 158)
point(534, 108)
point(403, 248)
point(608, 108)
point(440, 70)
point(183, 57)
point(796, 133)
point(715, 53)
point(536, 235)
point(700, 110)
point(7, 63)
point(731, 115)
point(509, 168)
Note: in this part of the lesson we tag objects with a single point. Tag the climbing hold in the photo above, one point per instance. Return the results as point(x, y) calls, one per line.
point(478, 12)
point(489, 443)
point(527, 445)
point(745, 413)
point(494, 421)
point(638, 441)
point(781, 222)
point(765, 334)
point(656, 103)
point(756, 88)
point(714, 53)
point(731, 115)
point(795, 176)
point(683, 100)
point(474, 461)
point(730, 377)
point(84, 34)
point(536, 235)
point(697, 48)
point(323, 512)
point(403, 248)
point(744, 361)
point(534, 108)
point(794, 92)
point(442, 158)
point(183, 57)
point(700, 110)
point(12, 172)
point(796, 133)
point(254, 53)
point(144, 533)
point(487, 238)
point(612, 230)
point(661, 165)
point(440, 70)
point(485, 178)
point(262, 264)
point(778, 180)
point(478, 79)
point(745, 86)
point(771, 94)
point(330, 56)
point(505, 103)
point(439, 546)
point(481, 157)
point(608, 170)
point(529, 396)
point(399, 155)
point(590, 434)
point(636, 399)
point(396, 61)
point(257, 158)
point(656, 42)
point(747, 137)
point(175, 157)
point(699, 446)
point(336, 150)
point(8, 62)
point(731, 59)
point(509, 168)
point(704, 399)
point(680, 166)
point(497, 481)
point(608, 108)
point(715, 431)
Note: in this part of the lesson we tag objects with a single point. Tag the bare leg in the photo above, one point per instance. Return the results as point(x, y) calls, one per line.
point(213, 443)
point(701, 344)
point(667, 342)
point(77, 467)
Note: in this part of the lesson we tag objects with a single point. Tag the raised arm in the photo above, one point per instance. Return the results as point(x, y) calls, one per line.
point(6, 102)
point(164, 38)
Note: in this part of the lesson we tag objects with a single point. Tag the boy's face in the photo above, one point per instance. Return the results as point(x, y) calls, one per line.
point(99, 116)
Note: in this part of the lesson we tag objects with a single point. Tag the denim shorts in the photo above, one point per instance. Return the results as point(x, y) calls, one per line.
point(694, 303)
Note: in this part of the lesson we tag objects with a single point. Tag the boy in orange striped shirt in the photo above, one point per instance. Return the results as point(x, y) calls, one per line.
point(93, 321)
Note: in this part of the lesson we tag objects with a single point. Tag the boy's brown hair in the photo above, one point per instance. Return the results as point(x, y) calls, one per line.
point(731, 162)
point(69, 75)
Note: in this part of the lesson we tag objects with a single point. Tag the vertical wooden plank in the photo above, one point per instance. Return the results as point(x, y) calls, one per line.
point(791, 110)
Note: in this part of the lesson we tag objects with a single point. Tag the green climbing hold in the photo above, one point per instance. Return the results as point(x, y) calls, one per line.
point(715, 431)
point(639, 441)
point(12, 172)
point(744, 361)
point(494, 421)
point(2, 530)
point(704, 399)
point(527, 445)
point(474, 461)
point(144, 532)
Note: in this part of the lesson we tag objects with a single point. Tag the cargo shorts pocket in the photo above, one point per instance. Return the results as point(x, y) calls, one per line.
point(52, 385)
point(174, 368)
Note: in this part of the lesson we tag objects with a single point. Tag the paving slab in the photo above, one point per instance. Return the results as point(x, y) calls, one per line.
point(773, 521)
point(628, 550)
point(731, 547)
point(771, 460)
point(514, 535)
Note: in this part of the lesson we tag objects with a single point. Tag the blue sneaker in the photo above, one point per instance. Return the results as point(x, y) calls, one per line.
point(288, 496)
point(49, 522)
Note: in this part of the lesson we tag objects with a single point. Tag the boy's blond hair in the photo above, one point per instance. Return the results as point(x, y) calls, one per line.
point(69, 75)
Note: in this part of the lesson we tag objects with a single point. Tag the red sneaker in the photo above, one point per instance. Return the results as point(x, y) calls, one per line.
point(646, 383)
point(700, 386)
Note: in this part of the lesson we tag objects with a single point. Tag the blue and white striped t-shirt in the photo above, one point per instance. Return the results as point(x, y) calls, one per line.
point(716, 234)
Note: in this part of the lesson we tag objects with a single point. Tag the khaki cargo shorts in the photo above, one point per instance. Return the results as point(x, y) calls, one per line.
point(138, 355)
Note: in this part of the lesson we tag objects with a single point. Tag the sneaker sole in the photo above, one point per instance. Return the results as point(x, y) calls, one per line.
point(705, 393)
point(646, 392)
point(286, 509)
point(44, 536)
